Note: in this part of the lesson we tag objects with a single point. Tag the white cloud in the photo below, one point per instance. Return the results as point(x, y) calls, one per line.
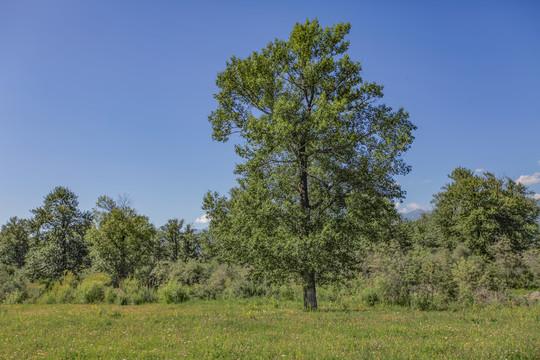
point(411, 207)
point(478, 170)
point(427, 181)
point(398, 207)
point(406, 208)
point(536, 196)
point(414, 206)
point(203, 219)
point(529, 179)
point(538, 162)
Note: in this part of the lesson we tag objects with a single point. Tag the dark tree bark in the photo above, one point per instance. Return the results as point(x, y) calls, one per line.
point(310, 293)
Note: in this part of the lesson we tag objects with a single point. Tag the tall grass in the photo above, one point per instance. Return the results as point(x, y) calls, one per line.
point(266, 329)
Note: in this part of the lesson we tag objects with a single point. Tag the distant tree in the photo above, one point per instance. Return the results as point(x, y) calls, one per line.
point(170, 238)
point(425, 232)
point(191, 243)
point(58, 229)
point(209, 247)
point(481, 210)
point(122, 241)
point(320, 155)
point(178, 242)
point(14, 242)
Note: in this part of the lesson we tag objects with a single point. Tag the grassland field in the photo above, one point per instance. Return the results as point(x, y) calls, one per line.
point(266, 329)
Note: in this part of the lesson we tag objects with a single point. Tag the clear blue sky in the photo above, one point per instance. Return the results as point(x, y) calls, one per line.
point(112, 97)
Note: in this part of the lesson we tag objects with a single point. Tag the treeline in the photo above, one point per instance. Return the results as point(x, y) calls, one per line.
point(480, 241)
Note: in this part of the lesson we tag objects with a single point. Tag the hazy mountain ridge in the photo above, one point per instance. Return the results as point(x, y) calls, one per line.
point(415, 214)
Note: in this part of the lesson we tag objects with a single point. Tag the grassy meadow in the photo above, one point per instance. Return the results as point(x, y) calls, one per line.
point(266, 329)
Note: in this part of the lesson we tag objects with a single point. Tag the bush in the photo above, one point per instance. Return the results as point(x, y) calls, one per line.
point(422, 301)
point(370, 296)
point(192, 272)
point(11, 280)
point(510, 268)
point(33, 292)
point(133, 292)
point(111, 295)
point(15, 297)
point(92, 288)
point(159, 274)
point(289, 292)
point(91, 292)
point(61, 292)
point(173, 293)
point(531, 259)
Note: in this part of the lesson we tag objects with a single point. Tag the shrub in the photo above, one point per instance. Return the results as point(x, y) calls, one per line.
point(111, 295)
point(11, 280)
point(509, 268)
point(33, 292)
point(288, 292)
point(173, 293)
point(159, 274)
point(422, 301)
point(92, 288)
point(132, 292)
point(61, 292)
point(192, 272)
point(370, 296)
point(15, 297)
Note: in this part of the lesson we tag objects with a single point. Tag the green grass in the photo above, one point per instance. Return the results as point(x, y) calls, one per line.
point(265, 329)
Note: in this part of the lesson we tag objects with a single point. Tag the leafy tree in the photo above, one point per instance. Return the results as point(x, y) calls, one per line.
point(320, 155)
point(14, 239)
point(179, 244)
point(192, 246)
point(425, 232)
point(170, 237)
point(58, 229)
point(122, 241)
point(482, 210)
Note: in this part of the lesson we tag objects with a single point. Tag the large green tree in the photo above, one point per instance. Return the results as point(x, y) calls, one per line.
point(58, 228)
point(480, 211)
point(14, 242)
point(122, 241)
point(320, 152)
point(178, 242)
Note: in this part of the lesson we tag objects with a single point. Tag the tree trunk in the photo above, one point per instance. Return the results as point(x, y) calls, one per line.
point(310, 293)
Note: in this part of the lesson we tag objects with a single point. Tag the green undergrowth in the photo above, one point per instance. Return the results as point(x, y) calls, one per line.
point(266, 329)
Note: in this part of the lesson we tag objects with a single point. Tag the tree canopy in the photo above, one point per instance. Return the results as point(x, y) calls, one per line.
point(177, 241)
point(122, 242)
point(14, 242)
point(483, 210)
point(320, 155)
point(58, 229)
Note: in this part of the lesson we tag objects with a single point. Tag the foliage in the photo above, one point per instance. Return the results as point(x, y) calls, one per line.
point(11, 280)
point(61, 291)
point(58, 229)
point(122, 242)
point(178, 244)
point(482, 210)
point(159, 274)
point(320, 155)
point(14, 242)
point(133, 292)
point(173, 293)
point(92, 288)
point(192, 272)
point(411, 264)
